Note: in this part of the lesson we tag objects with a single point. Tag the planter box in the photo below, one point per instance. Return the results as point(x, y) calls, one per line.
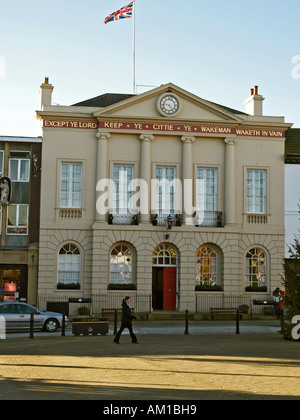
point(89, 326)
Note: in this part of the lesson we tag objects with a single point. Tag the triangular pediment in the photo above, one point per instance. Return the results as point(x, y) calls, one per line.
point(190, 107)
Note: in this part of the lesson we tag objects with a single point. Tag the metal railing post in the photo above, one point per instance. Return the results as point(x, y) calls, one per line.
point(186, 332)
point(31, 326)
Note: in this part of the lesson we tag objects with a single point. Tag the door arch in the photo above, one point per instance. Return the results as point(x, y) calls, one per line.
point(165, 277)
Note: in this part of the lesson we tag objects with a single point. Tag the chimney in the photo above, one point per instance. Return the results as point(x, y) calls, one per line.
point(254, 104)
point(46, 90)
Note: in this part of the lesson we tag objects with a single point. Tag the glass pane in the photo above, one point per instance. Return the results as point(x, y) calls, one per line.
point(12, 215)
point(22, 216)
point(13, 169)
point(24, 170)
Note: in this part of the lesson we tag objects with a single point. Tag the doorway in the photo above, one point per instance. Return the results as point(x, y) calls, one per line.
point(13, 283)
point(164, 278)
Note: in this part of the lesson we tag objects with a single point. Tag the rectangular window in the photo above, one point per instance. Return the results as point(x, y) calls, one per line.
point(19, 169)
point(71, 185)
point(207, 189)
point(257, 191)
point(122, 176)
point(17, 219)
point(165, 194)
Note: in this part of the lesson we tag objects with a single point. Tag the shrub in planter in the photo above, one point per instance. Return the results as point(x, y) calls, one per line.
point(257, 289)
point(208, 288)
point(70, 286)
point(128, 286)
point(83, 310)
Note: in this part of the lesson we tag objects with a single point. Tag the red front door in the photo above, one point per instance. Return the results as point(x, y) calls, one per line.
point(169, 291)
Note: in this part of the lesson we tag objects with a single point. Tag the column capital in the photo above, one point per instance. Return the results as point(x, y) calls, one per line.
point(230, 142)
point(146, 137)
point(102, 136)
point(187, 139)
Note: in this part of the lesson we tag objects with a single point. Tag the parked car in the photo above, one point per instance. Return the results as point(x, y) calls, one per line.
point(17, 317)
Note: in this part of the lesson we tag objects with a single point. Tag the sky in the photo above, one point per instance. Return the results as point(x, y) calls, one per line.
point(216, 49)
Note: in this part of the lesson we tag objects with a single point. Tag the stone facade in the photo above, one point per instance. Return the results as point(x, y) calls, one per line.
point(139, 133)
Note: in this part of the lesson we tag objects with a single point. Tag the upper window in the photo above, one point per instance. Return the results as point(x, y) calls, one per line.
point(19, 169)
point(257, 191)
point(17, 219)
point(165, 189)
point(122, 176)
point(71, 185)
point(69, 267)
point(207, 192)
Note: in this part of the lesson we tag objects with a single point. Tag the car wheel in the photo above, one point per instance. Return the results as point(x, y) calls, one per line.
point(51, 325)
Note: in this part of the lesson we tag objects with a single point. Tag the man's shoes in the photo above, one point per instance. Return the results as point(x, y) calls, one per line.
point(135, 342)
point(116, 342)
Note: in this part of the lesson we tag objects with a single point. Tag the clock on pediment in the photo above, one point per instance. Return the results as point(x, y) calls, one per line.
point(169, 104)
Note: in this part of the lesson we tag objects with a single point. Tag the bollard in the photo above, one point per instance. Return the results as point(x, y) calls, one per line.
point(186, 332)
point(63, 327)
point(116, 322)
point(237, 322)
point(31, 326)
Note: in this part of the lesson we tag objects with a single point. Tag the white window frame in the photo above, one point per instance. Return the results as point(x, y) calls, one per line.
point(75, 274)
point(202, 189)
point(259, 270)
point(118, 261)
point(19, 160)
point(258, 201)
point(70, 191)
point(165, 192)
point(121, 194)
point(18, 226)
point(213, 269)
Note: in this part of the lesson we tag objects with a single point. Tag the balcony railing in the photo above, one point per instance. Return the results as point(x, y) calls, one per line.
point(122, 217)
point(207, 218)
point(159, 217)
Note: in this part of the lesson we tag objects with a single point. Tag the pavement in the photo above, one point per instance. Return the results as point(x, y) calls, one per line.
point(211, 363)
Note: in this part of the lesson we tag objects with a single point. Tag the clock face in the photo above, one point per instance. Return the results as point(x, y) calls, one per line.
point(169, 104)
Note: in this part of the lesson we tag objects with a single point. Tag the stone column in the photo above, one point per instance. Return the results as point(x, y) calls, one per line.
point(146, 176)
point(102, 167)
point(230, 197)
point(187, 179)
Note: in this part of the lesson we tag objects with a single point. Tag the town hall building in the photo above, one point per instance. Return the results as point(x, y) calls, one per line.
point(164, 196)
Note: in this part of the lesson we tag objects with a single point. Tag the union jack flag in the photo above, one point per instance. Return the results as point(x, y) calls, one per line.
point(123, 13)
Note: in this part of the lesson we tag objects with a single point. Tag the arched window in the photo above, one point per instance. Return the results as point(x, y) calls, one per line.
point(256, 268)
point(121, 265)
point(164, 254)
point(207, 266)
point(69, 267)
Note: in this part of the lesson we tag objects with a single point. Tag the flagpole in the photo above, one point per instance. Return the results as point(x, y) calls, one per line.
point(133, 71)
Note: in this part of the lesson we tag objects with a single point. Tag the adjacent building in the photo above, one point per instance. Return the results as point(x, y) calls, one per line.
point(292, 187)
point(20, 173)
point(178, 199)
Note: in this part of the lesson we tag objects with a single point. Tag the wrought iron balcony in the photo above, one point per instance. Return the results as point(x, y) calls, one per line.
point(122, 217)
point(159, 217)
point(207, 218)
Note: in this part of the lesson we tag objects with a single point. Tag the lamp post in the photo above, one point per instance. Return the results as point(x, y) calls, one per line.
point(169, 224)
